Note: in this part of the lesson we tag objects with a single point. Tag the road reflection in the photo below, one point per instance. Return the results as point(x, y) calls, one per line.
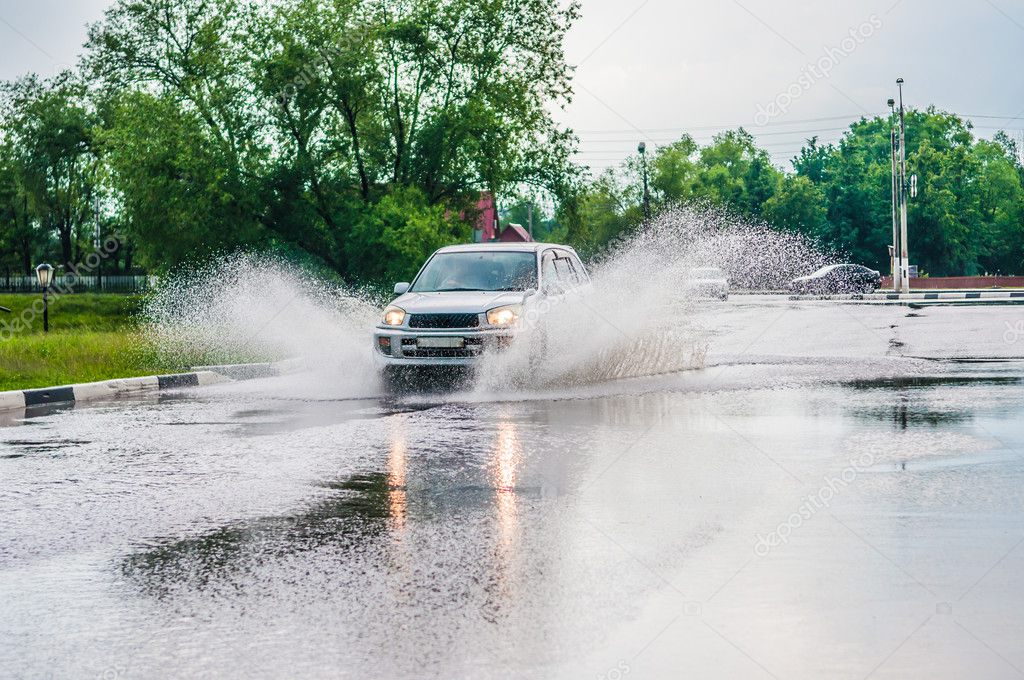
point(380, 515)
point(397, 465)
point(508, 457)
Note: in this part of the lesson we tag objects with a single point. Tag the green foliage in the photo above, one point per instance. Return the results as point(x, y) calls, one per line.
point(358, 131)
point(732, 171)
point(967, 219)
point(291, 122)
point(798, 205)
point(397, 234)
point(50, 163)
point(177, 199)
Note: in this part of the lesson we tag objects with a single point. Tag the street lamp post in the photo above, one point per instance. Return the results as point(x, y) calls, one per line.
point(642, 148)
point(44, 273)
point(894, 250)
point(904, 252)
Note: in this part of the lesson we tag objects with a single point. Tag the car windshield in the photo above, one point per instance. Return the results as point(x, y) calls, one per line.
point(478, 271)
point(826, 270)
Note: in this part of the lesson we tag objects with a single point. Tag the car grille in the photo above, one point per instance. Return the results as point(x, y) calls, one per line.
point(473, 348)
point(444, 321)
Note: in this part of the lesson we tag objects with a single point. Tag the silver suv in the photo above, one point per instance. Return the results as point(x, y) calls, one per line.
point(471, 299)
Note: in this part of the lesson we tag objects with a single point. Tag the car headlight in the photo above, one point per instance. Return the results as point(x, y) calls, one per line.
point(394, 316)
point(504, 316)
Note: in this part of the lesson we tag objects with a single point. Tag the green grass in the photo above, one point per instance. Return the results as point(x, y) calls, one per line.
point(85, 311)
point(92, 337)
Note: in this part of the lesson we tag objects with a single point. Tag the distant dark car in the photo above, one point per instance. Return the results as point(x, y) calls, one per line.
point(838, 278)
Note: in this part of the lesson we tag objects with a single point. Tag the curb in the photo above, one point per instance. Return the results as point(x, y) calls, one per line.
point(72, 394)
point(254, 371)
point(918, 297)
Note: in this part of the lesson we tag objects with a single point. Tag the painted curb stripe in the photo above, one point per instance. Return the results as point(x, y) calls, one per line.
point(51, 395)
point(70, 394)
point(910, 297)
point(174, 381)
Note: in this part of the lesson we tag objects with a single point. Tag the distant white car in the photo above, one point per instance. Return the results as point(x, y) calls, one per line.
point(469, 299)
point(708, 282)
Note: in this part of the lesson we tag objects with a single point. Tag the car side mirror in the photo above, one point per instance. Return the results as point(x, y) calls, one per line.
point(401, 288)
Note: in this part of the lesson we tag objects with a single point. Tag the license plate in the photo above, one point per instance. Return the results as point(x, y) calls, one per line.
point(441, 343)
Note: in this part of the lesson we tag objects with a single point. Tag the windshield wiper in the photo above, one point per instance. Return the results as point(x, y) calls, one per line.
point(459, 290)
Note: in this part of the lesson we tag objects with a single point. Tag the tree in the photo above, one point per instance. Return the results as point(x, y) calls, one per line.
point(799, 205)
point(19, 239)
point(316, 110)
point(734, 172)
point(1001, 187)
point(50, 132)
point(398, 233)
point(175, 195)
point(674, 170)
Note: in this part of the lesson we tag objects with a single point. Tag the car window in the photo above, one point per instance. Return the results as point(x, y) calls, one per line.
point(567, 271)
point(549, 276)
point(478, 271)
point(580, 269)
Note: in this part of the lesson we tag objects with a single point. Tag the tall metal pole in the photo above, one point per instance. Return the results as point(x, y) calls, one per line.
point(642, 148)
point(99, 243)
point(895, 252)
point(46, 310)
point(904, 256)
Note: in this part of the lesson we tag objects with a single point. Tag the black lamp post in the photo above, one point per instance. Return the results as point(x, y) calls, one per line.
point(642, 148)
point(44, 273)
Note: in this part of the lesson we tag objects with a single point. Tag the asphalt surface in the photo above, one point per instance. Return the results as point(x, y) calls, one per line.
point(837, 492)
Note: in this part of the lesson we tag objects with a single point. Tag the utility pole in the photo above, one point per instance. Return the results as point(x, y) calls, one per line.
point(529, 217)
point(894, 249)
point(642, 148)
point(904, 256)
point(99, 243)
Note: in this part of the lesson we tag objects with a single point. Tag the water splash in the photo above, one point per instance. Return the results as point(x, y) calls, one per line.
point(637, 319)
point(268, 310)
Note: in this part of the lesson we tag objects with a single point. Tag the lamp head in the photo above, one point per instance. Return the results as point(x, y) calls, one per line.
point(44, 273)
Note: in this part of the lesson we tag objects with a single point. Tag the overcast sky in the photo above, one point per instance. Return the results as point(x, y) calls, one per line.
point(648, 69)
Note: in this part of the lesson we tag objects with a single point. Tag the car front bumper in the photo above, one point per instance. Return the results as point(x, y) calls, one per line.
point(452, 348)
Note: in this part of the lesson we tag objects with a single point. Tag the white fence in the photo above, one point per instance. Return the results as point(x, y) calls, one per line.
point(79, 284)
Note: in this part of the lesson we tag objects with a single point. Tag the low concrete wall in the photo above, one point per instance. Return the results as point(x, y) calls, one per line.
point(960, 282)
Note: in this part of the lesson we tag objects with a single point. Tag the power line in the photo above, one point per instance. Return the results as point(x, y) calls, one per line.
point(726, 126)
point(759, 134)
point(752, 128)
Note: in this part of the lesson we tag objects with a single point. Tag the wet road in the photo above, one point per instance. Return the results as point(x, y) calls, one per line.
point(829, 497)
